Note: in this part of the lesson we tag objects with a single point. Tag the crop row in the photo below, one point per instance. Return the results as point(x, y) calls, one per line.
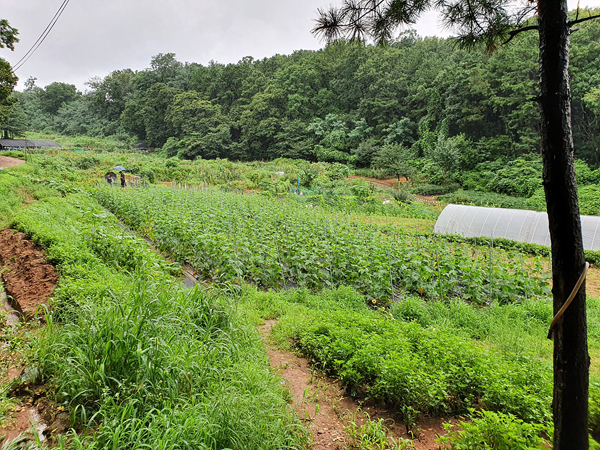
point(282, 244)
point(410, 368)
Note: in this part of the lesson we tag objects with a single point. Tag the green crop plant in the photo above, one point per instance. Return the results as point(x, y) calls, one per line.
point(363, 433)
point(495, 431)
point(414, 369)
point(236, 235)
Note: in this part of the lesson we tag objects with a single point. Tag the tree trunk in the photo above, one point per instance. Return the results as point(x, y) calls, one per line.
point(571, 360)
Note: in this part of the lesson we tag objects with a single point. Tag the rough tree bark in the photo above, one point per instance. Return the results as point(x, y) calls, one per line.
point(571, 360)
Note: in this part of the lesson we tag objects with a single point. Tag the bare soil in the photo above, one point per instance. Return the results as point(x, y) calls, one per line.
point(392, 183)
point(29, 281)
point(28, 278)
point(7, 161)
point(592, 282)
point(326, 410)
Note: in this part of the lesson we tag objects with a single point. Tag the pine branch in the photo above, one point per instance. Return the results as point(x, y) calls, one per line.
point(513, 33)
point(583, 19)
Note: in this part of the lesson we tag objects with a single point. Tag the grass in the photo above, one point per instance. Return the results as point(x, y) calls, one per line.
point(403, 223)
point(138, 361)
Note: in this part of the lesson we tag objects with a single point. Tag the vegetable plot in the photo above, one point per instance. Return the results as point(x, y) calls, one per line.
point(282, 244)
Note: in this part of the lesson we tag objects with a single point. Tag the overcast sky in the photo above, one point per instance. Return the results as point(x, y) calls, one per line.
point(95, 37)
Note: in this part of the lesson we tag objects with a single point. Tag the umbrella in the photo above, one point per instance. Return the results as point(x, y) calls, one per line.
point(119, 168)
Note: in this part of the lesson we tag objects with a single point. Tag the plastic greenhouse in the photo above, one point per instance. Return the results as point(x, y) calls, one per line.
point(515, 224)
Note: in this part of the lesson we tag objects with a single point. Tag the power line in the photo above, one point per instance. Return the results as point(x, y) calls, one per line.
point(42, 37)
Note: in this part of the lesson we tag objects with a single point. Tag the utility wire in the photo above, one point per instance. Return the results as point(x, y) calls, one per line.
point(42, 37)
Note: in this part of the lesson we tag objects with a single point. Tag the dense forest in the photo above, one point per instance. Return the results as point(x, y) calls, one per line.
point(350, 103)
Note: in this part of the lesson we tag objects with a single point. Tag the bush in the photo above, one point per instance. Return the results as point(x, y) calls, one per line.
point(589, 200)
point(520, 177)
point(486, 199)
point(495, 431)
point(435, 189)
point(401, 196)
point(584, 174)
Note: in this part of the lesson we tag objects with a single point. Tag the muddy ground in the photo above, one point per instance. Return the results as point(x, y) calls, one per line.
point(29, 281)
point(28, 278)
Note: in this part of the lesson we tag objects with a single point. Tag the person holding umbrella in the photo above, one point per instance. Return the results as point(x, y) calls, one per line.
point(122, 170)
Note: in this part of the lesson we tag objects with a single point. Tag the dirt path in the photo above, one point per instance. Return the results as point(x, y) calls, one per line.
point(320, 402)
point(7, 161)
point(391, 183)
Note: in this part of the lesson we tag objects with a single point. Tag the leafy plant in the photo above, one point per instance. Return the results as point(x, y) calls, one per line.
point(495, 431)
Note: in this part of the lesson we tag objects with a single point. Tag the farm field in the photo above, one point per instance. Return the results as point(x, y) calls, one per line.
point(422, 326)
point(352, 338)
point(284, 244)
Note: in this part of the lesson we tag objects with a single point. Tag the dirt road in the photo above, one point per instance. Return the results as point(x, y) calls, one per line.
point(7, 161)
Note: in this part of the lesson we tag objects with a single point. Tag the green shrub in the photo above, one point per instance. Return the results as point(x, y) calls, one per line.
point(486, 199)
point(401, 195)
point(589, 200)
point(434, 189)
point(584, 174)
point(495, 431)
point(519, 177)
point(14, 154)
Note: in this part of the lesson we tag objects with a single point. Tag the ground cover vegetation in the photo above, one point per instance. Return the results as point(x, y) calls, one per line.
point(321, 185)
point(137, 360)
point(361, 295)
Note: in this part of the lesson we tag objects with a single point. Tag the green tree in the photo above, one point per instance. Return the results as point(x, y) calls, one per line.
point(56, 95)
point(332, 132)
point(8, 35)
point(395, 159)
point(190, 114)
point(165, 67)
point(78, 117)
point(133, 119)
point(110, 94)
point(401, 132)
point(8, 80)
point(14, 122)
point(154, 114)
point(446, 155)
point(365, 152)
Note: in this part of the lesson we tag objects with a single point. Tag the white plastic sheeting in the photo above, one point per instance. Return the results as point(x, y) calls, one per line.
point(515, 224)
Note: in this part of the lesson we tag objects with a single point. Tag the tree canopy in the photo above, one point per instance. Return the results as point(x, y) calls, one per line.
point(407, 92)
point(8, 80)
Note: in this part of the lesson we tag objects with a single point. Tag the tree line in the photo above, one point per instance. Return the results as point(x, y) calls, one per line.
point(349, 103)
